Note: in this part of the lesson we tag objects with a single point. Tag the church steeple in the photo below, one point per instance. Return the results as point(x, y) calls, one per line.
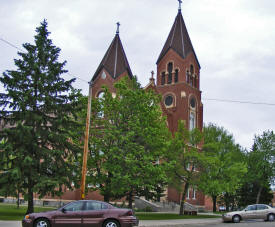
point(178, 39)
point(114, 61)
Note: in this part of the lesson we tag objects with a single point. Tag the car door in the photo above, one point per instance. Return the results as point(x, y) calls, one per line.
point(70, 215)
point(94, 213)
point(250, 212)
point(262, 211)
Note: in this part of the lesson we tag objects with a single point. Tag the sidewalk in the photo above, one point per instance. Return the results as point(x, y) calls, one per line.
point(149, 223)
point(179, 222)
point(10, 224)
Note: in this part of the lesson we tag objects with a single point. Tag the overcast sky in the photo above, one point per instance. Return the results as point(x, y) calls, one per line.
point(234, 41)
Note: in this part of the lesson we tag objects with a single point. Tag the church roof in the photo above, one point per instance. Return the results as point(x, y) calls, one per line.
point(114, 61)
point(178, 40)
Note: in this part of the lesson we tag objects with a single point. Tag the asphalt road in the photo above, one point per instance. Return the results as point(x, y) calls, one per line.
point(247, 223)
point(176, 223)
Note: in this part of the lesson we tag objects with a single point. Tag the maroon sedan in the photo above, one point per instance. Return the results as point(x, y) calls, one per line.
point(83, 213)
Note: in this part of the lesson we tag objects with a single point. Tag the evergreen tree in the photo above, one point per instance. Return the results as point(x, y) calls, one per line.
point(38, 109)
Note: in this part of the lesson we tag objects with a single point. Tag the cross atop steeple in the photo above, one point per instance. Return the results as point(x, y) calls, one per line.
point(180, 2)
point(117, 30)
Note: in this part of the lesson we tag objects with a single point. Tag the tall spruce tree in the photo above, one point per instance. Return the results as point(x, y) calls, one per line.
point(38, 110)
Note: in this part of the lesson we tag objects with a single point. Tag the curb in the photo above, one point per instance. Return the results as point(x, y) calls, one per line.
point(179, 222)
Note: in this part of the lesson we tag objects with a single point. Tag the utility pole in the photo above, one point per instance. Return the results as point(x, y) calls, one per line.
point(86, 142)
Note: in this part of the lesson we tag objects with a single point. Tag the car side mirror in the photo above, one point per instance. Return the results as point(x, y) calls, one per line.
point(245, 210)
point(63, 210)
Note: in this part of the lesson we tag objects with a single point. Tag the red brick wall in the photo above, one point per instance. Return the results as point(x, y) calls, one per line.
point(108, 82)
point(180, 110)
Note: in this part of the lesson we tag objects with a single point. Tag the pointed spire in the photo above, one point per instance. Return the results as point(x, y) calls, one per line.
point(178, 38)
point(117, 30)
point(180, 2)
point(114, 61)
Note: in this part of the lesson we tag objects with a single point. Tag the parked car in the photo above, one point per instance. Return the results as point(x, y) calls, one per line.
point(222, 208)
point(256, 211)
point(83, 213)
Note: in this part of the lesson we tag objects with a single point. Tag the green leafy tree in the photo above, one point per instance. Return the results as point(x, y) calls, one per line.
point(38, 109)
point(227, 166)
point(184, 160)
point(262, 157)
point(261, 171)
point(128, 139)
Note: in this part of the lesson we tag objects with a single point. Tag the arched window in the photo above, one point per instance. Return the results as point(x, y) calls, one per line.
point(195, 81)
point(192, 121)
point(191, 75)
point(191, 69)
point(187, 77)
point(100, 97)
point(169, 69)
point(194, 193)
point(192, 115)
point(163, 78)
point(176, 76)
point(188, 194)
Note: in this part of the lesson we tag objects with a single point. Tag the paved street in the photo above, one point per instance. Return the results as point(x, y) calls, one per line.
point(180, 223)
point(247, 223)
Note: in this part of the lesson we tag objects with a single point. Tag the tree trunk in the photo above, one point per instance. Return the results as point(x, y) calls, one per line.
point(130, 200)
point(186, 186)
point(259, 194)
point(227, 201)
point(30, 198)
point(18, 199)
point(214, 200)
point(106, 197)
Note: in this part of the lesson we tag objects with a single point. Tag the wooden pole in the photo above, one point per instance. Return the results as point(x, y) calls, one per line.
point(86, 142)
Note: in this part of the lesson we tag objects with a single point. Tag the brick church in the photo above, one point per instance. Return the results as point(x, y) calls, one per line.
point(177, 80)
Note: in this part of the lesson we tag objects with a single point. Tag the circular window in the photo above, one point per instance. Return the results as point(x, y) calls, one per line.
point(100, 95)
point(193, 102)
point(168, 100)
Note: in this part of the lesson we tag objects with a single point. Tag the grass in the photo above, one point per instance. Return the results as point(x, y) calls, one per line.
point(11, 213)
point(169, 216)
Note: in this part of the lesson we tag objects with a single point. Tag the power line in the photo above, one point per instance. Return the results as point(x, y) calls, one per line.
point(10, 44)
point(208, 99)
point(238, 101)
point(14, 46)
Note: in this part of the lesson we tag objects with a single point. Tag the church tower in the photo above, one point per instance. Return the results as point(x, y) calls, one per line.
point(112, 68)
point(178, 78)
point(178, 81)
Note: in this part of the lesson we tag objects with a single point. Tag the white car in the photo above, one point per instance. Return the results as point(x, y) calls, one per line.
point(256, 211)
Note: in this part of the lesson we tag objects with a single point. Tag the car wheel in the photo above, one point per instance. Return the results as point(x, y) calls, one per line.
point(42, 223)
point(111, 223)
point(271, 217)
point(236, 218)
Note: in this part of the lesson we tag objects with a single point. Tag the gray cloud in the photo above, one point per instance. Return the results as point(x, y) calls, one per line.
point(234, 41)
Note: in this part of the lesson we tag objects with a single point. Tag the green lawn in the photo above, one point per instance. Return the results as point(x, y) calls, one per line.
point(169, 216)
point(10, 212)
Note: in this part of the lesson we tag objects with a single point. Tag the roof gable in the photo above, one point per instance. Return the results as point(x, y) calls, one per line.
point(178, 40)
point(114, 61)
